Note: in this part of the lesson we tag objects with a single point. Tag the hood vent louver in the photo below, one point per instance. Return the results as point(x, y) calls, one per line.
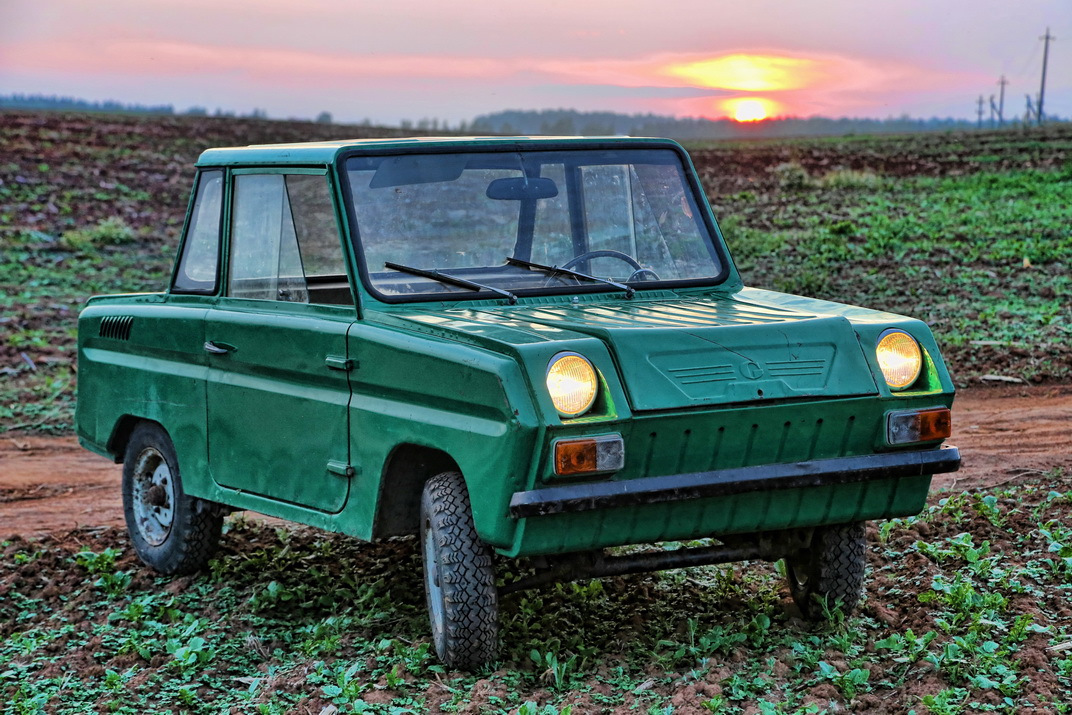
point(116, 327)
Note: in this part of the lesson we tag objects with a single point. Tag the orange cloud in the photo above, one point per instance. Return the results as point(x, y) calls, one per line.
point(750, 73)
point(754, 70)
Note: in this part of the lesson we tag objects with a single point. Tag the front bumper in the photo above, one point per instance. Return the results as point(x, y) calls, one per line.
point(724, 482)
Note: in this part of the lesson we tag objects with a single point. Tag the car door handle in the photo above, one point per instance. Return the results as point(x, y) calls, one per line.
point(218, 348)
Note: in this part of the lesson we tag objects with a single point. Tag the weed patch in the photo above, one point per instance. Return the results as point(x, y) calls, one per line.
point(970, 617)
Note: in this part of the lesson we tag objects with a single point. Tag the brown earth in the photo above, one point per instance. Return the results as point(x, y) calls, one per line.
point(51, 484)
point(53, 489)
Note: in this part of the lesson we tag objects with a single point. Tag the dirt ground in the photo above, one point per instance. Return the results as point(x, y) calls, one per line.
point(51, 484)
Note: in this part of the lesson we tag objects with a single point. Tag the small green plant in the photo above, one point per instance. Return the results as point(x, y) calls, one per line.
point(907, 648)
point(1059, 544)
point(529, 707)
point(849, 683)
point(347, 688)
point(851, 179)
point(757, 629)
point(189, 654)
point(987, 505)
point(791, 176)
point(950, 701)
point(554, 671)
point(107, 232)
point(98, 563)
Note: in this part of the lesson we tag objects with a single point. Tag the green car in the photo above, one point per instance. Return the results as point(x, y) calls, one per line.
point(523, 347)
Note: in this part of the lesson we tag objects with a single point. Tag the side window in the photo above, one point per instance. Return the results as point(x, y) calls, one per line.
point(284, 241)
point(200, 253)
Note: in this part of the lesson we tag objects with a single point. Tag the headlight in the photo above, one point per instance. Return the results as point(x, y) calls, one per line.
point(572, 383)
point(899, 357)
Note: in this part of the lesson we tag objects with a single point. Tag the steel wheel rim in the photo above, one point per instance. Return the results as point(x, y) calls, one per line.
point(798, 574)
point(432, 584)
point(153, 496)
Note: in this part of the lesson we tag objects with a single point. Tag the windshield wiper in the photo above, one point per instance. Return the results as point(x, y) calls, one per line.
point(451, 280)
point(555, 270)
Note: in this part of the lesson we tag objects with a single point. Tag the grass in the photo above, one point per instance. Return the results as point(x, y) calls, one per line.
point(965, 613)
point(44, 280)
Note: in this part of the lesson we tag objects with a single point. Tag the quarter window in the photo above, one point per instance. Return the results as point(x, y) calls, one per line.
point(200, 252)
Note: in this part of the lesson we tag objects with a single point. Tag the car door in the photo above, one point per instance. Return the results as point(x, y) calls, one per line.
point(278, 387)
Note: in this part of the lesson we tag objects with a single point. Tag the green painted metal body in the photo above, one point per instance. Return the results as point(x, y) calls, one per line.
point(304, 413)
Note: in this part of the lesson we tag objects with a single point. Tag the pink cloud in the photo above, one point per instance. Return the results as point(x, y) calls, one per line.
point(139, 57)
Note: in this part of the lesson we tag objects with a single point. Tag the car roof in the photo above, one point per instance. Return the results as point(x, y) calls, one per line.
point(325, 152)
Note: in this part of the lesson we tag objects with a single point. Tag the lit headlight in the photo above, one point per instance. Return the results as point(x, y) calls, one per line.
point(572, 383)
point(900, 358)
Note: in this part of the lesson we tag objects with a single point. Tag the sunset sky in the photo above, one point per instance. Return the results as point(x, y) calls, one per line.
point(389, 61)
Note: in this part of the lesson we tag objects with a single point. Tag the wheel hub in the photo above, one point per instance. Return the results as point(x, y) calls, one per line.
point(153, 496)
point(156, 496)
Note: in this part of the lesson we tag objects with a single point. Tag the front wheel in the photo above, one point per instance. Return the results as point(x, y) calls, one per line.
point(830, 572)
point(171, 532)
point(459, 579)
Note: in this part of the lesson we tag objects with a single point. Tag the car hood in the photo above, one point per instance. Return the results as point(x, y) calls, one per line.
point(681, 352)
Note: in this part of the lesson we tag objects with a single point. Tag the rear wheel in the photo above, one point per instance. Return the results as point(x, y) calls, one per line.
point(459, 580)
point(830, 572)
point(171, 532)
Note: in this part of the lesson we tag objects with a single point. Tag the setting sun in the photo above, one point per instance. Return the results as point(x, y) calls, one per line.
point(749, 109)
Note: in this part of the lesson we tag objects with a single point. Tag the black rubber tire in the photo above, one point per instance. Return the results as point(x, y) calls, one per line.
point(459, 576)
point(830, 571)
point(195, 525)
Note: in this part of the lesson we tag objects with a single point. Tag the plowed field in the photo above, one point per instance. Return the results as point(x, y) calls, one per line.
point(967, 605)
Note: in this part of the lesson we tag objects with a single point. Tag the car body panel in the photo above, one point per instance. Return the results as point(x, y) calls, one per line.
point(154, 370)
point(276, 387)
point(306, 412)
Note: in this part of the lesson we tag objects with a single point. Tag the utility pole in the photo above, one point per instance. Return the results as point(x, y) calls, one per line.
point(1045, 56)
point(993, 111)
point(1001, 102)
point(980, 124)
point(1030, 109)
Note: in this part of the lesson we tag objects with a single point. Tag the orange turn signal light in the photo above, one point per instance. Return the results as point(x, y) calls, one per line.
point(589, 455)
point(919, 425)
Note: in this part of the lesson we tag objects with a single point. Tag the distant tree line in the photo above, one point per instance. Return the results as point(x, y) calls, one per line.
point(72, 104)
point(561, 122)
point(42, 101)
point(569, 122)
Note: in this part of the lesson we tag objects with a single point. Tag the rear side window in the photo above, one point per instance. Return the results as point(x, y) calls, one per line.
point(201, 251)
point(285, 242)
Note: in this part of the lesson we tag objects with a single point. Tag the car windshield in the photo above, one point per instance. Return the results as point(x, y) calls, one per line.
point(511, 221)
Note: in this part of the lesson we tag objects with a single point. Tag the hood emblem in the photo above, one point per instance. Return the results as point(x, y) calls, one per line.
point(752, 371)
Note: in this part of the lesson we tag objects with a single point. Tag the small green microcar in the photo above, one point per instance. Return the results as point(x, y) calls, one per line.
point(516, 347)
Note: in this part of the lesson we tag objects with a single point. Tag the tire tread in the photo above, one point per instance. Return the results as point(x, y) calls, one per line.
point(195, 533)
point(466, 575)
point(833, 570)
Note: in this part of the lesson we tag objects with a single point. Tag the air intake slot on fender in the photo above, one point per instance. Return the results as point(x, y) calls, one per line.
point(116, 327)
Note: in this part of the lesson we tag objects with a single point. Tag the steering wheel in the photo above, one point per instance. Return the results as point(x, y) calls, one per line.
point(602, 253)
point(644, 274)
